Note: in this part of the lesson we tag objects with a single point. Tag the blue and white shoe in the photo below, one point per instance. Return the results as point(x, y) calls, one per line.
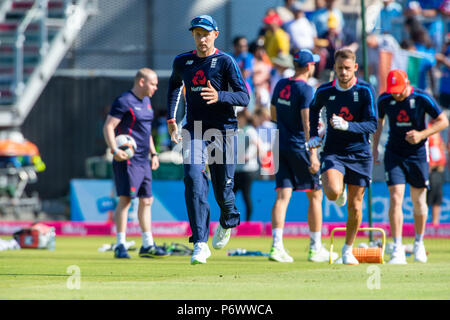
point(152, 252)
point(121, 252)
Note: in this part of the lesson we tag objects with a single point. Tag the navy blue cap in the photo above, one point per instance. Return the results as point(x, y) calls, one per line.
point(206, 22)
point(305, 56)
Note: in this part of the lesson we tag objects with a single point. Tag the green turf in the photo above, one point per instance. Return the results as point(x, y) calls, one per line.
point(43, 274)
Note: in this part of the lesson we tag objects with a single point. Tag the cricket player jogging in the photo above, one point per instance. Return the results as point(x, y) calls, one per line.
point(346, 159)
point(290, 109)
point(209, 132)
point(132, 114)
point(406, 158)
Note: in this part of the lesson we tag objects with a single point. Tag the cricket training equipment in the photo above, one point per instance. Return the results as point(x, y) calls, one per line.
point(126, 143)
point(362, 255)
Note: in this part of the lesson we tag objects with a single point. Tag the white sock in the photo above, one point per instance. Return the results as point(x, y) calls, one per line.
point(315, 242)
point(419, 238)
point(346, 249)
point(121, 238)
point(277, 234)
point(397, 241)
point(147, 239)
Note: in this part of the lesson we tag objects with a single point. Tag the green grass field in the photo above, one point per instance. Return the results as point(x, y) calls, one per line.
point(43, 274)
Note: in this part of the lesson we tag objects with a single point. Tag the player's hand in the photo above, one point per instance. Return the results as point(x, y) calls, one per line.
point(120, 155)
point(413, 137)
point(338, 123)
point(173, 132)
point(155, 162)
point(314, 142)
point(315, 164)
point(210, 94)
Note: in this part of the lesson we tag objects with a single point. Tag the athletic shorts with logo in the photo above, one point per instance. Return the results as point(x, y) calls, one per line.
point(356, 167)
point(133, 179)
point(401, 170)
point(293, 171)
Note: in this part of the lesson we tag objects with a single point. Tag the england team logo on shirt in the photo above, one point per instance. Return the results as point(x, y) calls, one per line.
point(412, 103)
point(355, 96)
point(213, 63)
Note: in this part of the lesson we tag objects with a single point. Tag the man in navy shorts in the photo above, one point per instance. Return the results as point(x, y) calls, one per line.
point(132, 114)
point(290, 109)
point(350, 108)
point(213, 87)
point(405, 158)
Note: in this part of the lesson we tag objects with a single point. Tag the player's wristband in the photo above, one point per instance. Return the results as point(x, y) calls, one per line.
point(156, 154)
point(173, 120)
point(114, 151)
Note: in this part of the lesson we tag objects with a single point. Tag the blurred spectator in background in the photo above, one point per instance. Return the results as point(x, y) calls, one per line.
point(335, 40)
point(424, 47)
point(276, 40)
point(388, 21)
point(266, 130)
point(443, 60)
point(321, 15)
point(262, 67)
point(301, 31)
point(428, 12)
point(247, 168)
point(437, 161)
point(244, 59)
point(283, 67)
point(285, 11)
point(160, 131)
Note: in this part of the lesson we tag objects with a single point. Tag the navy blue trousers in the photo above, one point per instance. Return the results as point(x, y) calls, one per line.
point(220, 155)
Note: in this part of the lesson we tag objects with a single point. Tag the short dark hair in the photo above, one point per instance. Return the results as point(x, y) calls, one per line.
point(344, 53)
point(237, 39)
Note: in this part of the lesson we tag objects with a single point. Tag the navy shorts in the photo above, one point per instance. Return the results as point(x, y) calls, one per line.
point(133, 180)
point(402, 170)
point(293, 171)
point(356, 167)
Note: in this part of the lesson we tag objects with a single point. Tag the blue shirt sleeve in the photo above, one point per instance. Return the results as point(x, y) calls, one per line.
point(118, 109)
point(239, 96)
point(314, 115)
point(175, 91)
point(370, 116)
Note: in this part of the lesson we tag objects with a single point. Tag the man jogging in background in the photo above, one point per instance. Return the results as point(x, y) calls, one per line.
point(346, 159)
point(209, 133)
point(405, 158)
point(132, 114)
point(290, 109)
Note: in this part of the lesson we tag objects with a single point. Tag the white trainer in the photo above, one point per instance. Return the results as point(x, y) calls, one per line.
point(201, 253)
point(221, 237)
point(420, 254)
point(342, 199)
point(279, 255)
point(398, 256)
point(321, 255)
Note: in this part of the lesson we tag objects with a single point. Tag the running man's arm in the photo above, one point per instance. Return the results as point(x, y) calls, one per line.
point(239, 96)
point(439, 124)
point(314, 140)
point(370, 121)
point(377, 134)
point(173, 99)
point(154, 154)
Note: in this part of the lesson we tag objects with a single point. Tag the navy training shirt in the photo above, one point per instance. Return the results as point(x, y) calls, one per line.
point(289, 97)
point(193, 72)
point(356, 105)
point(136, 118)
point(404, 116)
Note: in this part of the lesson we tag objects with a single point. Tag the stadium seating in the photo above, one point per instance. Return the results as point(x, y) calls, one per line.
point(34, 37)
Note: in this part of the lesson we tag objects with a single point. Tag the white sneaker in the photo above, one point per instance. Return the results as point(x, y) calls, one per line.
point(398, 256)
point(342, 199)
point(420, 254)
point(201, 253)
point(221, 237)
point(321, 255)
point(279, 255)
